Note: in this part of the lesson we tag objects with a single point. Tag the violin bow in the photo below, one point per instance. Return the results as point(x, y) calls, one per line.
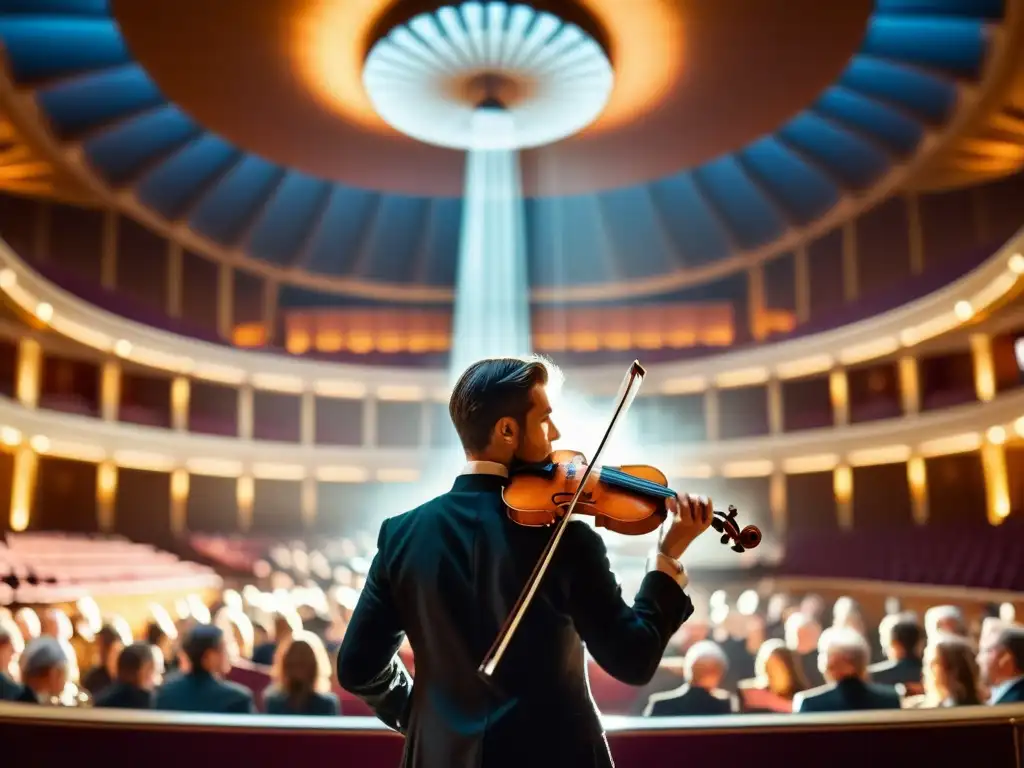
point(627, 393)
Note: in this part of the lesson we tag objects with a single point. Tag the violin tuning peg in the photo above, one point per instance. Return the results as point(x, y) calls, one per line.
point(725, 538)
point(738, 548)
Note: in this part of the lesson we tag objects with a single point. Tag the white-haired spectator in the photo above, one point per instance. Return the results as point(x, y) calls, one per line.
point(802, 633)
point(843, 656)
point(944, 619)
point(704, 667)
point(44, 670)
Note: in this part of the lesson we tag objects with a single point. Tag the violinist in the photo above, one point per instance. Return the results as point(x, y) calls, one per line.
point(448, 573)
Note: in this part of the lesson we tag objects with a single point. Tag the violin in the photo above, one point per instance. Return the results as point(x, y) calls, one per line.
point(629, 500)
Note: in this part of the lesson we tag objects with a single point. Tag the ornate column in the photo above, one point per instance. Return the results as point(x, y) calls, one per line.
point(775, 410)
point(181, 391)
point(179, 502)
point(842, 486)
point(997, 486)
point(23, 487)
point(984, 368)
point(245, 492)
point(838, 387)
point(917, 479)
point(30, 371)
point(307, 418)
point(106, 495)
point(110, 390)
point(245, 411)
point(910, 385)
point(777, 501)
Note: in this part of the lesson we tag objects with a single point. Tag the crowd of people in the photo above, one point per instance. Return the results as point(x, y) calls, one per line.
point(786, 658)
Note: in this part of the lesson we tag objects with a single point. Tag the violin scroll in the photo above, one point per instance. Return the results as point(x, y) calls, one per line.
point(742, 539)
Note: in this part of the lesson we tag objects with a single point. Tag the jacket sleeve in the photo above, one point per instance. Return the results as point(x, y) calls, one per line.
point(368, 663)
point(627, 641)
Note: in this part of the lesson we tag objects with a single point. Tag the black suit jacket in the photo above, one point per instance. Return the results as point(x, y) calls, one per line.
point(120, 695)
point(275, 702)
point(448, 574)
point(846, 696)
point(201, 692)
point(895, 672)
point(687, 700)
point(9, 690)
point(1014, 694)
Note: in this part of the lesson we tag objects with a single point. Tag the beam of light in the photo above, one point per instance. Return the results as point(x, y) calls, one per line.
point(492, 304)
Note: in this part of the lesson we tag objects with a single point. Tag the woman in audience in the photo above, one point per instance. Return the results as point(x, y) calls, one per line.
point(950, 675)
point(302, 679)
point(778, 678)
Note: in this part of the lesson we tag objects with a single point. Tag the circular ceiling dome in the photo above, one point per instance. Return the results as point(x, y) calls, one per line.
point(430, 77)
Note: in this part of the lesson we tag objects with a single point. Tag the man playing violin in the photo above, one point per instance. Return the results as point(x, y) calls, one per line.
point(448, 573)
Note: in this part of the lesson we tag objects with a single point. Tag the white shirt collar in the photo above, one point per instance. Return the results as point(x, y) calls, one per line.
point(1000, 690)
point(484, 468)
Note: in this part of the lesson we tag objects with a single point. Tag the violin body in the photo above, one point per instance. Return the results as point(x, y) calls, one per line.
point(538, 495)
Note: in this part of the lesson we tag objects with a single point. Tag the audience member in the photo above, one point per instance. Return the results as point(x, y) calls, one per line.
point(107, 647)
point(302, 679)
point(1001, 661)
point(44, 671)
point(286, 623)
point(843, 661)
point(901, 636)
point(802, 636)
point(948, 619)
point(778, 678)
point(139, 670)
point(704, 667)
point(950, 673)
point(203, 688)
point(10, 649)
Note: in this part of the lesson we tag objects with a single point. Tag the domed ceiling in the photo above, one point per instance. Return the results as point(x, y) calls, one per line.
point(734, 129)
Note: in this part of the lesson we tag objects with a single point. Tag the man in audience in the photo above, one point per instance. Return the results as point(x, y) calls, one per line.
point(902, 638)
point(203, 688)
point(1001, 661)
point(843, 660)
point(944, 618)
point(44, 670)
point(286, 623)
point(9, 690)
point(802, 635)
point(139, 668)
point(107, 648)
point(704, 668)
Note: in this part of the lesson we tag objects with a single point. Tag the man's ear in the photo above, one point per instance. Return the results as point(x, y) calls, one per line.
point(507, 430)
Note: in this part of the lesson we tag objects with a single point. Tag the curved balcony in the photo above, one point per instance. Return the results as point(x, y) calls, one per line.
point(988, 736)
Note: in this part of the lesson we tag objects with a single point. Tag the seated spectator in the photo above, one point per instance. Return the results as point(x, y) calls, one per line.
point(1001, 661)
point(10, 648)
point(302, 680)
point(902, 636)
point(203, 688)
point(704, 667)
point(950, 674)
point(802, 636)
point(44, 671)
point(843, 661)
point(286, 623)
point(139, 669)
point(161, 635)
point(779, 677)
point(944, 619)
point(107, 649)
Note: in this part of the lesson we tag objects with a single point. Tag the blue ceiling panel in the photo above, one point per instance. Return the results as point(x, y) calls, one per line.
point(857, 162)
point(635, 232)
point(955, 45)
point(40, 47)
point(291, 215)
point(698, 232)
point(95, 101)
point(902, 83)
point(179, 181)
point(230, 207)
point(121, 152)
point(899, 132)
point(801, 189)
point(334, 247)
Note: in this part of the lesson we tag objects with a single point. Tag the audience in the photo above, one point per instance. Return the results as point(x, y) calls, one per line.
point(1001, 661)
point(203, 688)
point(704, 668)
point(139, 671)
point(950, 674)
point(45, 671)
point(944, 619)
point(778, 678)
point(843, 661)
point(302, 679)
point(802, 636)
point(108, 646)
point(10, 647)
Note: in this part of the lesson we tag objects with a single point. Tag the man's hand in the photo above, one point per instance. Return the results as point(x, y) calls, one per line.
point(688, 517)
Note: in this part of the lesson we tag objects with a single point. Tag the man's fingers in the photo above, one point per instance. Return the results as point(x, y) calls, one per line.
point(685, 507)
point(709, 510)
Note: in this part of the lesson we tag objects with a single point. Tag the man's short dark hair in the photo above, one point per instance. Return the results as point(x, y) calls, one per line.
point(1011, 638)
point(201, 638)
point(907, 633)
point(490, 390)
point(132, 659)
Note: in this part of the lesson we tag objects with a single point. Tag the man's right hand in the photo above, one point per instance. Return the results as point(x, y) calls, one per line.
point(688, 517)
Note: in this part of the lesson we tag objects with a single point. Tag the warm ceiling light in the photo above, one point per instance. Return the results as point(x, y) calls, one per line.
point(8, 279)
point(964, 310)
point(40, 443)
point(122, 348)
point(1016, 265)
point(996, 435)
point(44, 311)
point(10, 436)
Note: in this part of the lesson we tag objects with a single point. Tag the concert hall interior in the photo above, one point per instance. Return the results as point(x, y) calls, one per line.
point(248, 248)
